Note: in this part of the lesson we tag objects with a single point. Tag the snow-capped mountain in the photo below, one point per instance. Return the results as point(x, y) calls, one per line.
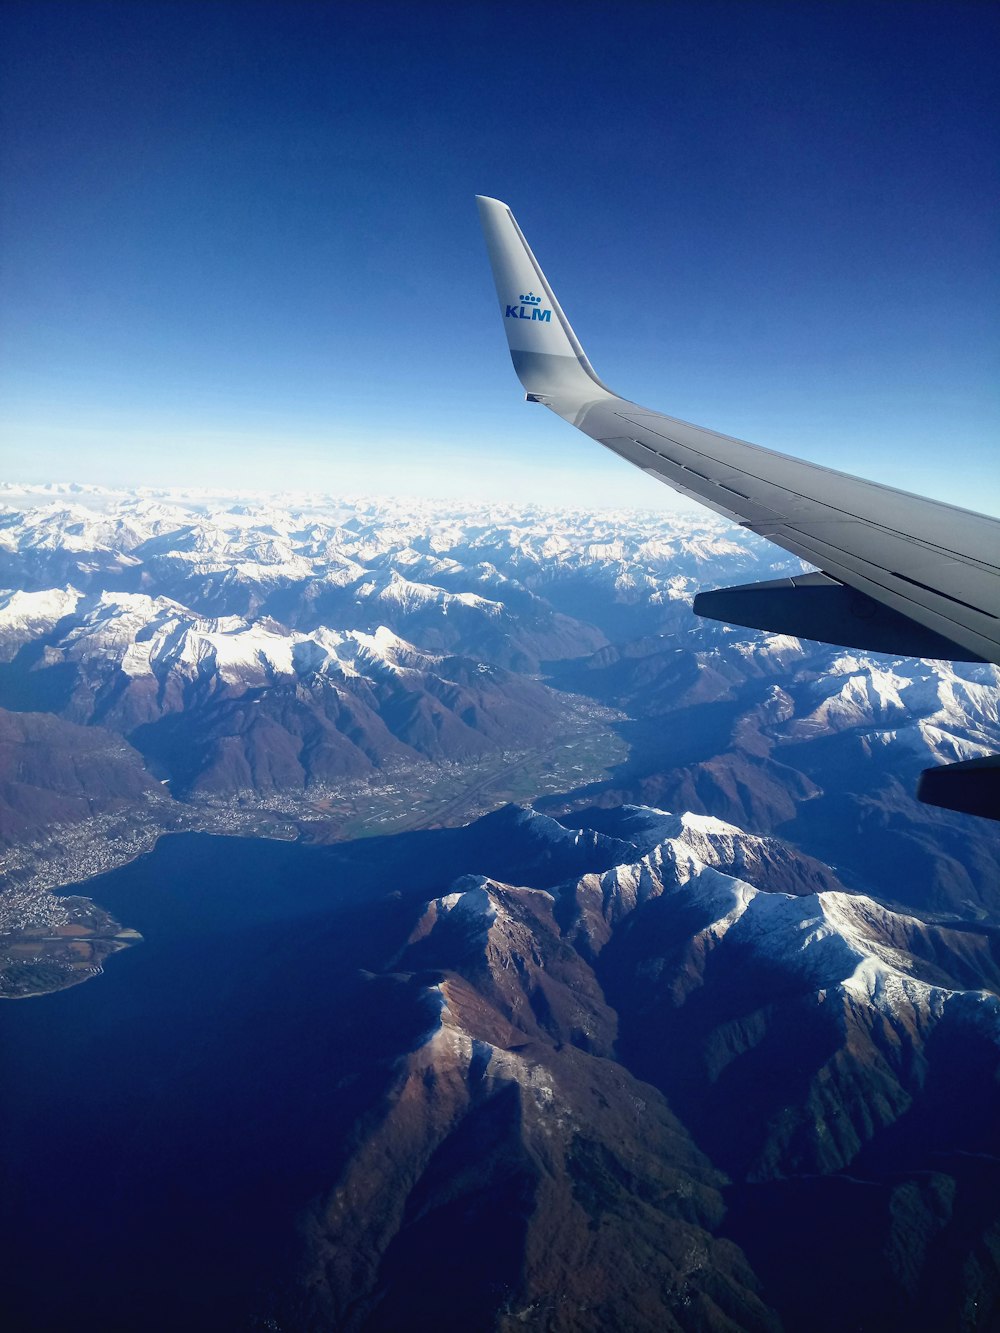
point(179, 540)
point(799, 1035)
point(822, 746)
point(263, 646)
point(740, 968)
point(27, 616)
point(205, 697)
point(260, 648)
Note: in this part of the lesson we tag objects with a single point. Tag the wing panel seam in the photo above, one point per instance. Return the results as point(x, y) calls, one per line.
point(810, 499)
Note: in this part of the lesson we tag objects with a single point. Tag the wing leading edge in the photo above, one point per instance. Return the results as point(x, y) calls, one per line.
point(900, 573)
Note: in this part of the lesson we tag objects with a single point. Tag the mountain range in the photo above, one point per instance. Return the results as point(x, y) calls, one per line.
point(661, 1017)
point(282, 651)
point(704, 1021)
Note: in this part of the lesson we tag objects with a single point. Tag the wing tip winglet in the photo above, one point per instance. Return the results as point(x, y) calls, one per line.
point(547, 354)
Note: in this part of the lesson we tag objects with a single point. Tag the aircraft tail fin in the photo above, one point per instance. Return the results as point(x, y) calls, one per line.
point(546, 353)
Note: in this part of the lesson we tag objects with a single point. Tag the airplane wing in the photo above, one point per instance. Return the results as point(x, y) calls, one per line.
point(896, 573)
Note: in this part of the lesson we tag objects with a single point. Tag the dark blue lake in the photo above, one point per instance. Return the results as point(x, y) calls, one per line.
point(163, 1124)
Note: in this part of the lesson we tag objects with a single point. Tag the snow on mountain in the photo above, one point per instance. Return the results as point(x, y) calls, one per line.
point(109, 623)
point(241, 559)
point(942, 711)
point(272, 592)
point(147, 636)
point(817, 1045)
point(79, 528)
point(243, 655)
point(235, 703)
point(676, 849)
point(508, 585)
point(834, 943)
point(409, 596)
point(418, 557)
point(818, 1012)
point(769, 652)
point(30, 615)
point(356, 653)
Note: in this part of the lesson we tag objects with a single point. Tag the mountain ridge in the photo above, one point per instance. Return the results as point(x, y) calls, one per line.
point(826, 1028)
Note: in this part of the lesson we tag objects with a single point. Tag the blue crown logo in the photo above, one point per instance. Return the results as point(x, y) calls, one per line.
point(529, 307)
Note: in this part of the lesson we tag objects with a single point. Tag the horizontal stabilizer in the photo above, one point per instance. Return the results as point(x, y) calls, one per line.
point(973, 787)
point(814, 606)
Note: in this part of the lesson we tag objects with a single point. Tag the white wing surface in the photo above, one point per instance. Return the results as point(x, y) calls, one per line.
point(935, 566)
point(896, 572)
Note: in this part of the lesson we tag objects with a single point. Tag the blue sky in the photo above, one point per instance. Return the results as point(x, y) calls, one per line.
point(239, 245)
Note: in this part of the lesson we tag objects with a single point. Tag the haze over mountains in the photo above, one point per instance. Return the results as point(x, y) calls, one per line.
point(717, 973)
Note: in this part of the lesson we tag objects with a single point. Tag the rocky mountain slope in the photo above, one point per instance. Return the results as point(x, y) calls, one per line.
point(52, 770)
point(820, 745)
point(597, 1049)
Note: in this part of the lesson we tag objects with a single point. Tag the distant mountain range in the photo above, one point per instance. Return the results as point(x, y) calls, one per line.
point(254, 651)
point(703, 1034)
point(257, 651)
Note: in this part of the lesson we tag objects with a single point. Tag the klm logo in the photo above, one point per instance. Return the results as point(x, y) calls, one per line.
point(528, 308)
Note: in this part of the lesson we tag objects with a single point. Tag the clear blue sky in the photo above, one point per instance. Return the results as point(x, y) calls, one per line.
point(239, 245)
